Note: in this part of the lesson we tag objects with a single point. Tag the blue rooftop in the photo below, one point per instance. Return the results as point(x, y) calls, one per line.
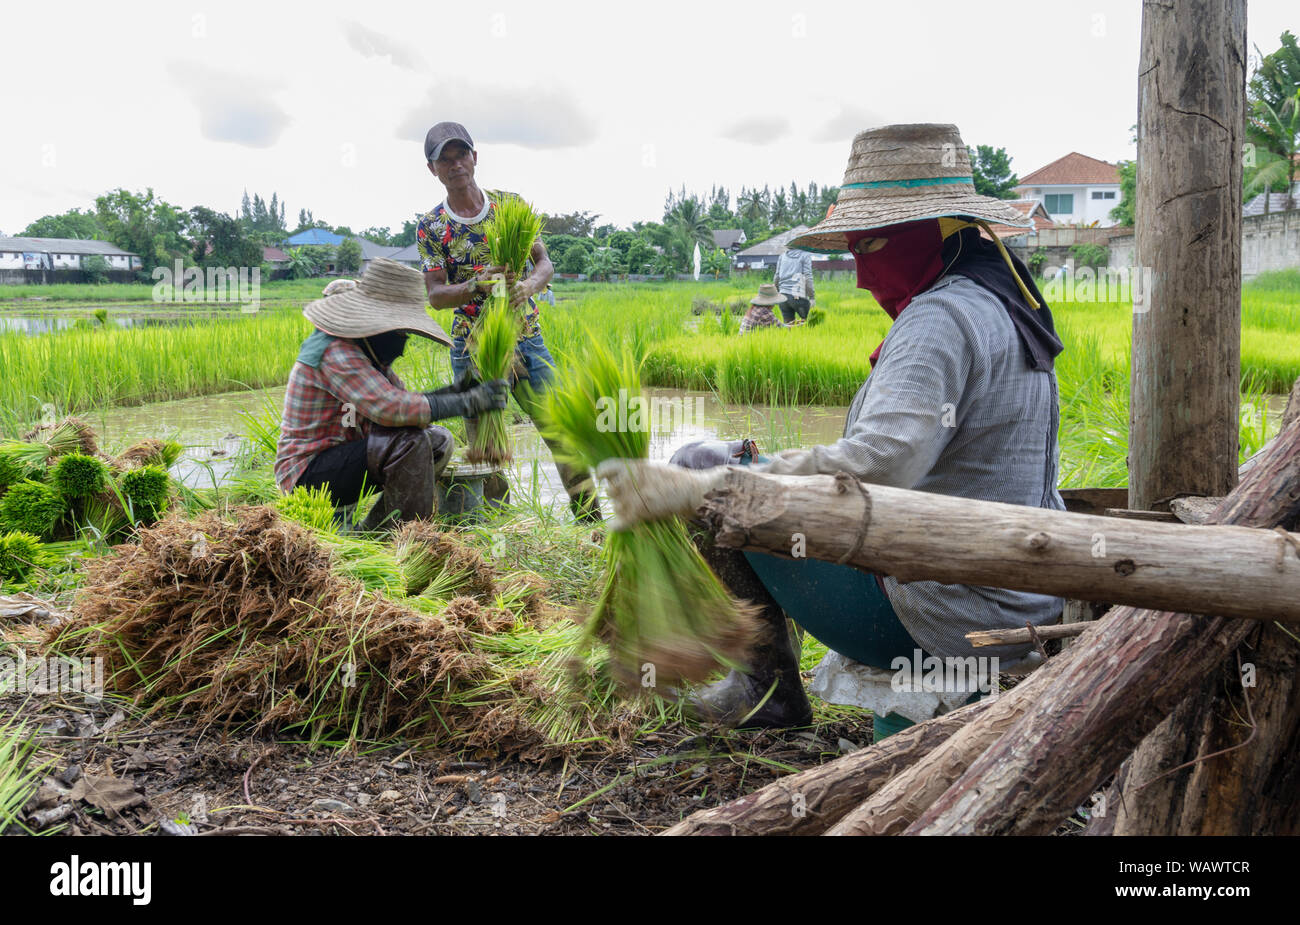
point(315, 236)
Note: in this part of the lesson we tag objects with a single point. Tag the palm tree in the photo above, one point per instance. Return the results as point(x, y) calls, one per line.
point(689, 217)
point(602, 264)
point(780, 209)
point(300, 264)
point(753, 205)
point(664, 265)
point(1273, 94)
point(1276, 134)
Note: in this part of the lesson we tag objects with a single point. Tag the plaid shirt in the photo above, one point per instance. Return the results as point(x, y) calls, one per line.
point(337, 402)
point(759, 316)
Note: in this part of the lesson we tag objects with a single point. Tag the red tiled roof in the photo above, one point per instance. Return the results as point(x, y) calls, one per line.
point(1073, 169)
point(273, 254)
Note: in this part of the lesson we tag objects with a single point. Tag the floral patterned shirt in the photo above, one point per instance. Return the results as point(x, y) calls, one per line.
point(455, 243)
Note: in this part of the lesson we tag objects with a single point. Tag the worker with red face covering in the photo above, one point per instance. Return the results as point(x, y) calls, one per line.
point(962, 400)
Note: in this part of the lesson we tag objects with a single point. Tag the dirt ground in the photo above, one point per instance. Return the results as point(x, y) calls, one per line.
point(109, 773)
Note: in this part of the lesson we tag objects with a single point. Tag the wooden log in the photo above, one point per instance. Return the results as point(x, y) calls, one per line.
point(1186, 369)
point(1205, 770)
point(1109, 690)
point(811, 801)
point(1016, 637)
point(1229, 570)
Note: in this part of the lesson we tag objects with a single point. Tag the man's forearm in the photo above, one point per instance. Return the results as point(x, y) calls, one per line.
point(452, 295)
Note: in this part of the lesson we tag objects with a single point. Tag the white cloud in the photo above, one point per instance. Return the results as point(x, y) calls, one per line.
point(371, 44)
point(759, 130)
point(232, 107)
point(531, 117)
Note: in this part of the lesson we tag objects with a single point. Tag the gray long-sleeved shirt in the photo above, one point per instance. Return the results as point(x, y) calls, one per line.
point(952, 407)
point(793, 273)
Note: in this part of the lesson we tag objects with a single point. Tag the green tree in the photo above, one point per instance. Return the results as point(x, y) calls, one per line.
point(217, 240)
point(780, 214)
point(664, 265)
point(717, 263)
point(144, 225)
point(379, 236)
point(1090, 255)
point(301, 264)
point(575, 257)
point(602, 264)
point(639, 256)
point(622, 242)
point(1273, 109)
point(578, 224)
point(688, 221)
point(406, 237)
point(752, 206)
point(82, 226)
point(1123, 214)
point(991, 171)
point(95, 266)
point(348, 258)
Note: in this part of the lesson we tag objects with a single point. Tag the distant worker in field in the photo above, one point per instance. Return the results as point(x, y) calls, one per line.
point(454, 254)
point(349, 421)
point(760, 313)
point(794, 280)
point(962, 401)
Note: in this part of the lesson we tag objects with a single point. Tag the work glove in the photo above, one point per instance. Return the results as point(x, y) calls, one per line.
point(488, 396)
point(644, 490)
point(464, 382)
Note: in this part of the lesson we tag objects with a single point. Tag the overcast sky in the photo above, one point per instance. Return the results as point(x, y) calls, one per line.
point(599, 107)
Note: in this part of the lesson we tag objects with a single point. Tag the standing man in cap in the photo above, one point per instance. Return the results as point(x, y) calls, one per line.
point(454, 253)
point(962, 401)
point(348, 420)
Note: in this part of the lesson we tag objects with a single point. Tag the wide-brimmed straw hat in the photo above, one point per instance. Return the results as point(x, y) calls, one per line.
point(767, 295)
point(904, 173)
point(389, 297)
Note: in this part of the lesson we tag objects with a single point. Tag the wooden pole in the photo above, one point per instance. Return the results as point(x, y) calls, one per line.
point(912, 535)
point(1186, 370)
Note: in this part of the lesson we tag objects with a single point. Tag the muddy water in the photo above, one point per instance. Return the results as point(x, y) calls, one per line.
point(211, 428)
point(34, 325)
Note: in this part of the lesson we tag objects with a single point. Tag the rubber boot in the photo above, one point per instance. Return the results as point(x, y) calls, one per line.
point(404, 461)
point(774, 660)
point(580, 488)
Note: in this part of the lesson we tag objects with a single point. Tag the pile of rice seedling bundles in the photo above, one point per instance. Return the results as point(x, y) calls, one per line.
point(511, 233)
point(665, 615)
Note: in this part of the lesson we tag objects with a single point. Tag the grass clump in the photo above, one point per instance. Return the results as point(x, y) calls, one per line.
point(78, 476)
point(32, 507)
point(148, 491)
point(20, 553)
point(311, 507)
point(660, 606)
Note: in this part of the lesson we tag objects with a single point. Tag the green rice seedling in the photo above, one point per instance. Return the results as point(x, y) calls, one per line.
point(511, 233)
point(19, 775)
point(20, 553)
point(311, 507)
point(171, 451)
point(815, 317)
point(492, 349)
point(101, 315)
point(79, 476)
point(148, 491)
point(32, 507)
point(22, 460)
point(660, 605)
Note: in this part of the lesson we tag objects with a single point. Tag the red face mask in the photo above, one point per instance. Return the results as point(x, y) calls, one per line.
point(910, 261)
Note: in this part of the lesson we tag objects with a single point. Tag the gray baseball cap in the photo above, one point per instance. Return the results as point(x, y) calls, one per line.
point(442, 133)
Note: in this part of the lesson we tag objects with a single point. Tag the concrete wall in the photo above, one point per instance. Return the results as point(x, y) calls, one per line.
point(1268, 242)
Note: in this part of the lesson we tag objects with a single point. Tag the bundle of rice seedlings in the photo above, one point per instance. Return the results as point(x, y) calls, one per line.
point(20, 553)
point(492, 350)
point(815, 317)
point(19, 775)
point(246, 622)
point(79, 476)
point(311, 507)
point(149, 452)
point(72, 433)
point(32, 507)
point(436, 564)
point(22, 460)
point(511, 233)
point(148, 491)
point(660, 607)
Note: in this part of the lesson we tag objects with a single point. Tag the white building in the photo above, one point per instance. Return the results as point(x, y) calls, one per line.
point(1075, 190)
point(61, 254)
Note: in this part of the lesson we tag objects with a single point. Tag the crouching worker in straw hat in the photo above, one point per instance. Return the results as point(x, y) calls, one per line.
point(962, 400)
point(348, 420)
point(760, 309)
